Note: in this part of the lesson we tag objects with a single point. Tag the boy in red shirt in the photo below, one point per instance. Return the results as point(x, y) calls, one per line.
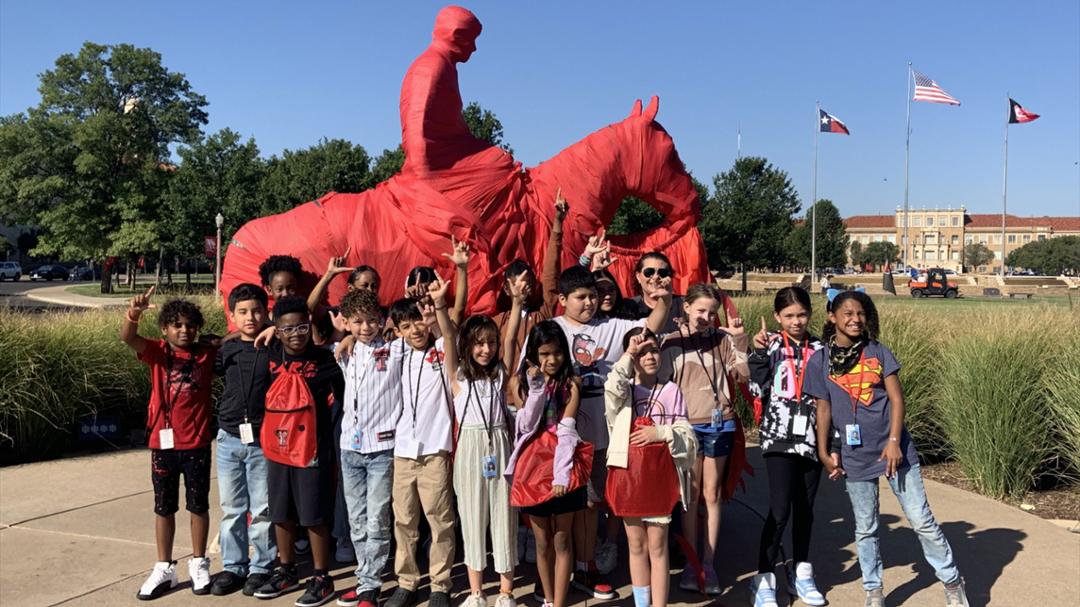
point(178, 424)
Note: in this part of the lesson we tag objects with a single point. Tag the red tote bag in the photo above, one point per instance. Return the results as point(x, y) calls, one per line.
point(533, 471)
point(648, 485)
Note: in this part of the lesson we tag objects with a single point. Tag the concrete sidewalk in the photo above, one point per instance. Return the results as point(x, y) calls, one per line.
point(80, 532)
point(60, 295)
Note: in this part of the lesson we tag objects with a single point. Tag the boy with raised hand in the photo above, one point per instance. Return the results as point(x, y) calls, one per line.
point(299, 493)
point(369, 415)
point(241, 465)
point(178, 428)
point(596, 344)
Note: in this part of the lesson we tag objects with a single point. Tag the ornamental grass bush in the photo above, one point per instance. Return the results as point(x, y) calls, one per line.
point(59, 367)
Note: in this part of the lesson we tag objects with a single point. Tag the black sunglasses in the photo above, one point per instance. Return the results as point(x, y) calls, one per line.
point(661, 272)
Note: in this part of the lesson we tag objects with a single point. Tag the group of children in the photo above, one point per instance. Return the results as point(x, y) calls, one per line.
point(617, 406)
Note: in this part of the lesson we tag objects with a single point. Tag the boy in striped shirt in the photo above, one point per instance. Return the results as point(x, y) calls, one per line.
point(369, 414)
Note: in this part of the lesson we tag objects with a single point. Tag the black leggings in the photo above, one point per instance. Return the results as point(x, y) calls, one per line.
point(793, 481)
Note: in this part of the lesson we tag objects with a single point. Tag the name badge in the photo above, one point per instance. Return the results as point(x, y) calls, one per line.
point(247, 435)
point(356, 440)
point(853, 435)
point(411, 449)
point(717, 419)
point(799, 424)
point(385, 436)
point(165, 437)
point(490, 470)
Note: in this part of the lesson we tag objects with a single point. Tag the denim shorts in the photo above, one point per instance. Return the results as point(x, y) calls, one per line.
point(715, 442)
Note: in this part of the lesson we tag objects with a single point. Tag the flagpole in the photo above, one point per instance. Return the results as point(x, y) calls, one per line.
point(1005, 183)
point(813, 197)
point(738, 141)
point(907, 156)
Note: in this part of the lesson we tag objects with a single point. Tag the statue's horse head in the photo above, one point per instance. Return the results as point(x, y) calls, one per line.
point(633, 157)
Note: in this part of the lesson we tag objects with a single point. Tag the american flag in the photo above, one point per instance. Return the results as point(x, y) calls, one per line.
point(928, 90)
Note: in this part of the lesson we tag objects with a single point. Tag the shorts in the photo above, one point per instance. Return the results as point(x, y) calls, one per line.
point(598, 478)
point(713, 442)
point(574, 501)
point(661, 520)
point(301, 495)
point(166, 466)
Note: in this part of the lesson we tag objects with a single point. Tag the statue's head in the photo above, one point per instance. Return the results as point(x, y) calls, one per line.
point(457, 29)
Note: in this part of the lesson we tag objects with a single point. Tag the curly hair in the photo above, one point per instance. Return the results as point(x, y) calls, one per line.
point(175, 309)
point(360, 301)
point(279, 263)
point(290, 305)
point(872, 328)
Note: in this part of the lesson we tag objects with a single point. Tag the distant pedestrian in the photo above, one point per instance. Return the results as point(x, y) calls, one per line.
point(825, 284)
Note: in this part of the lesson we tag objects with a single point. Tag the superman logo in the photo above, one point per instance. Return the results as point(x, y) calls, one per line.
point(860, 381)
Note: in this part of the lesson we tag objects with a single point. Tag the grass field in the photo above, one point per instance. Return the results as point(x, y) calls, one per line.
point(177, 289)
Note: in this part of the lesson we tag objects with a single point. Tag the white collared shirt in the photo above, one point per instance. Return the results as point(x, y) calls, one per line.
point(372, 400)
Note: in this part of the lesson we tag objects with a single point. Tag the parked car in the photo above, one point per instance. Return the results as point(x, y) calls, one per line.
point(85, 273)
point(50, 272)
point(10, 270)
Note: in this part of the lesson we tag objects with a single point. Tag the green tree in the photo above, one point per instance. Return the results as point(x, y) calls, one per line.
point(220, 174)
point(636, 215)
point(89, 163)
point(977, 254)
point(857, 257)
point(1051, 257)
point(387, 165)
point(832, 238)
point(878, 252)
point(483, 124)
point(747, 222)
point(296, 177)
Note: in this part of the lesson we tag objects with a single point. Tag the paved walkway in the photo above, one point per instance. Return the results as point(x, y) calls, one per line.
point(80, 532)
point(60, 295)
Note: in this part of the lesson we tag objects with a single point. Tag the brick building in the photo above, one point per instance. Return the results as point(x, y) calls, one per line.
point(938, 236)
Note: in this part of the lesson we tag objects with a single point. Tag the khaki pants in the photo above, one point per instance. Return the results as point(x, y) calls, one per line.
point(423, 486)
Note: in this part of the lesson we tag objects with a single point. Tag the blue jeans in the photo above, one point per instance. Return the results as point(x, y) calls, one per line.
point(907, 486)
point(368, 481)
point(241, 473)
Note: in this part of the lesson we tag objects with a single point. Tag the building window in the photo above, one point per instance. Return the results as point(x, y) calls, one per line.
point(931, 239)
point(955, 239)
point(997, 239)
point(931, 256)
point(1042, 236)
point(955, 221)
point(929, 220)
point(864, 239)
point(941, 220)
point(955, 256)
point(982, 240)
point(1012, 238)
point(916, 254)
point(969, 239)
point(915, 221)
point(1027, 238)
point(891, 238)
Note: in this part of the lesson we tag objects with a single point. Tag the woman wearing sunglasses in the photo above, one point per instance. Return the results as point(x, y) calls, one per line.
point(651, 268)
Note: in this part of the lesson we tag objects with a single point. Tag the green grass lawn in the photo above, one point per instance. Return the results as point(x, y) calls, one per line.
point(121, 291)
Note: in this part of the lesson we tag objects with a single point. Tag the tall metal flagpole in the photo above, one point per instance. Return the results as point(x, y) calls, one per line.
point(907, 156)
point(813, 197)
point(738, 142)
point(1005, 184)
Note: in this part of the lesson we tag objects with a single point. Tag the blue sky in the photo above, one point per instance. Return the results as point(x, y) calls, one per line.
point(289, 73)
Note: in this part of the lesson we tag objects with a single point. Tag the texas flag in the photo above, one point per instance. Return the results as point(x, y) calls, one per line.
point(831, 124)
point(1017, 114)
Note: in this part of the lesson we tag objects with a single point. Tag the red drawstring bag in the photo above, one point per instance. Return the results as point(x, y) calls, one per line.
point(533, 472)
point(288, 434)
point(648, 485)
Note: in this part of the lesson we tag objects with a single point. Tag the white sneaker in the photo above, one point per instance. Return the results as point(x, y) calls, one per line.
point(199, 571)
point(505, 600)
point(475, 600)
point(607, 556)
point(763, 590)
point(801, 584)
point(162, 579)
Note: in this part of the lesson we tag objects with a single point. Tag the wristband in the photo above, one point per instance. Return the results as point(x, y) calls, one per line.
point(894, 439)
point(438, 308)
point(584, 260)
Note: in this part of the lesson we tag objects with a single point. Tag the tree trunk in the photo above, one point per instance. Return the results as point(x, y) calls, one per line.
point(157, 270)
point(187, 273)
point(742, 267)
point(106, 278)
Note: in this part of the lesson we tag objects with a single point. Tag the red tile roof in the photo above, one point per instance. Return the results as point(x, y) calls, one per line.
point(974, 220)
point(871, 221)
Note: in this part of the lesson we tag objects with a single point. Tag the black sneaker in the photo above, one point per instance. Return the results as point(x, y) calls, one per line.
point(359, 598)
point(226, 582)
point(319, 591)
point(402, 598)
point(592, 584)
point(283, 580)
point(254, 582)
point(439, 599)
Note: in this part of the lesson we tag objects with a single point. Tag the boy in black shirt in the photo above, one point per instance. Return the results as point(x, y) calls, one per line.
point(305, 494)
point(241, 466)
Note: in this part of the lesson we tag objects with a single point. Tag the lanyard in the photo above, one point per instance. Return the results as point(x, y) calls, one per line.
point(801, 375)
point(358, 381)
point(245, 393)
point(416, 391)
point(652, 399)
point(489, 424)
point(713, 379)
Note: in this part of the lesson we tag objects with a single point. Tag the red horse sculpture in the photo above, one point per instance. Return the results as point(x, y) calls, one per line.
point(455, 184)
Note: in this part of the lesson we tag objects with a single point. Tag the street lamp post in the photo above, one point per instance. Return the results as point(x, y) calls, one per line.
point(218, 221)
